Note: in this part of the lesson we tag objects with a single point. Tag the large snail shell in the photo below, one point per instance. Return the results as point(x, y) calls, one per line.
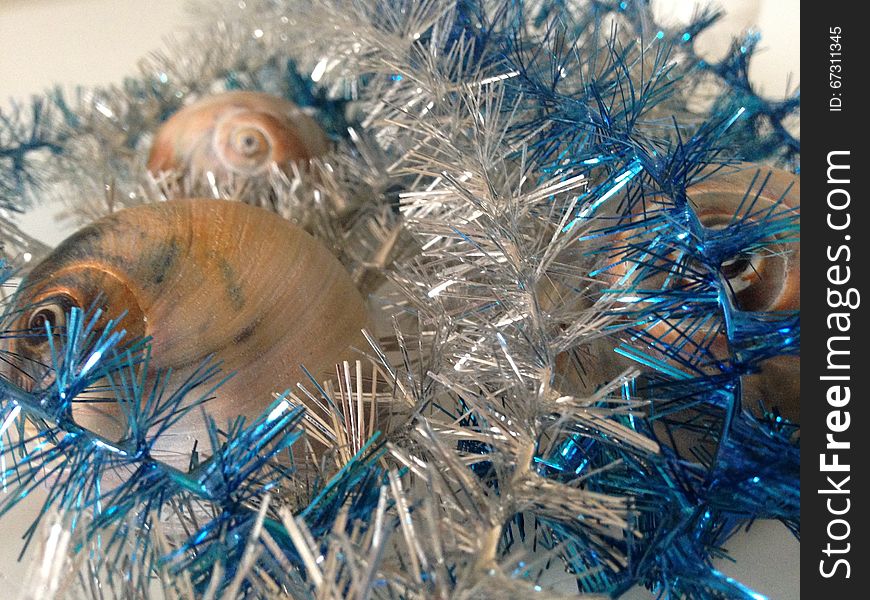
point(762, 282)
point(236, 133)
point(207, 277)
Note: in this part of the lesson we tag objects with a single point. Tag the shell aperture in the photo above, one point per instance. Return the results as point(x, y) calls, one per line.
point(203, 278)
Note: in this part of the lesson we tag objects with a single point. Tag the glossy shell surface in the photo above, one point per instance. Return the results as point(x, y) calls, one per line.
point(765, 281)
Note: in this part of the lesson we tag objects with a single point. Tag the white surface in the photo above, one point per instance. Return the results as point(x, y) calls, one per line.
point(78, 42)
point(97, 42)
point(70, 43)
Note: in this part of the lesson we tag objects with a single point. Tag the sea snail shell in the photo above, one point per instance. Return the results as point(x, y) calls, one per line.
point(236, 133)
point(762, 282)
point(204, 277)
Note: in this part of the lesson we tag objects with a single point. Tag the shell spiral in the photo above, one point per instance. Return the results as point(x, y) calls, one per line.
point(768, 281)
point(208, 277)
point(236, 133)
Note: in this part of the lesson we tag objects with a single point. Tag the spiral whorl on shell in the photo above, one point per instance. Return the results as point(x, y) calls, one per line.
point(236, 133)
point(763, 281)
point(205, 277)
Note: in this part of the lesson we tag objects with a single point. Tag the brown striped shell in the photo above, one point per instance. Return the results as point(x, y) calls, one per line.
point(236, 133)
point(764, 282)
point(204, 277)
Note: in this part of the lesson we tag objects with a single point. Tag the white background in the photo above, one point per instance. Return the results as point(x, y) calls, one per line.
point(44, 43)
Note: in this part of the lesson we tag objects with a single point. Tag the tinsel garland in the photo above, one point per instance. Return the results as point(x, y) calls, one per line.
point(494, 161)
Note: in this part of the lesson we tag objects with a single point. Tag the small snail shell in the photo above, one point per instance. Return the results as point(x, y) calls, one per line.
point(204, 277)
point(236, 133)
point(760, 282)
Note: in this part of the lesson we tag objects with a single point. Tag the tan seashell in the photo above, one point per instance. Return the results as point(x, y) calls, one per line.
point(204, 277)
point(236, 133)
point(769, 282)
point(764, 283)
